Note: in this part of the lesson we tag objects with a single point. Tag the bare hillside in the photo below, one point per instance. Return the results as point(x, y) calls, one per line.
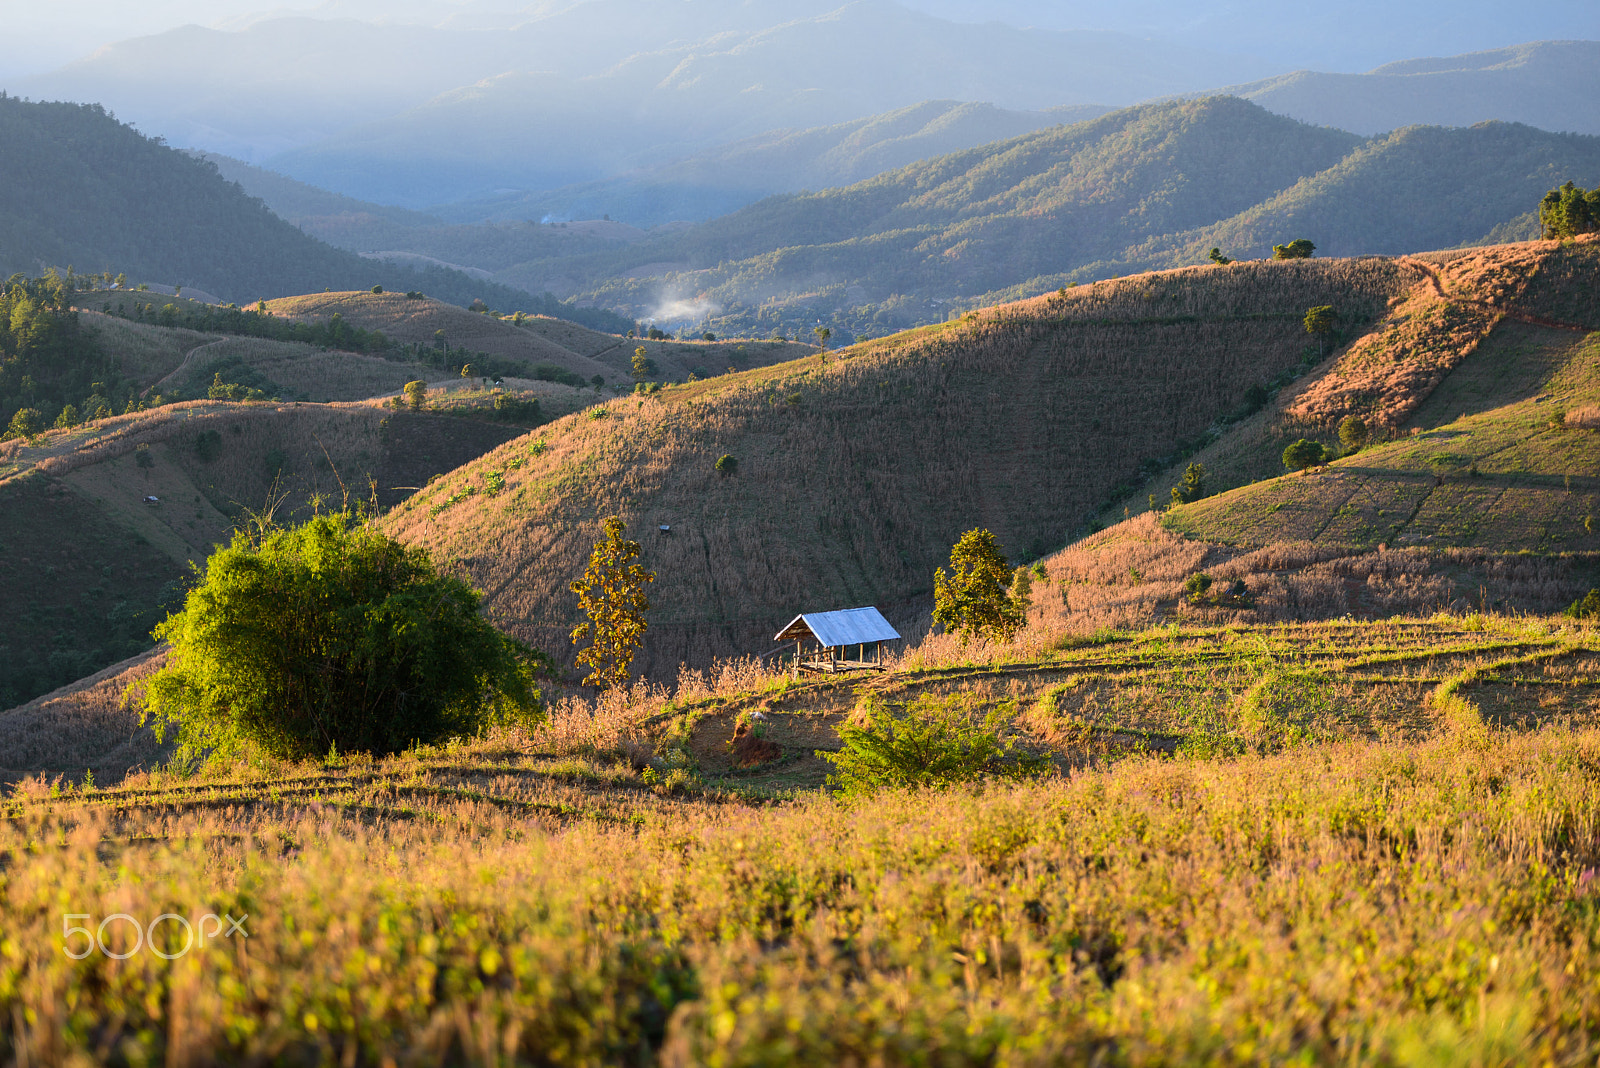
point(856, 473)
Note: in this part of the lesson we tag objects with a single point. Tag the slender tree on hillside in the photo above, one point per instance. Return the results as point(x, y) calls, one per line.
point(612, 594)
point(1193, 486)
point(1321, 322)
point(974, 599)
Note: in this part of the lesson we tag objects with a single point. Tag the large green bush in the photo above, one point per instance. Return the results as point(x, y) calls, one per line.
point(330, 634)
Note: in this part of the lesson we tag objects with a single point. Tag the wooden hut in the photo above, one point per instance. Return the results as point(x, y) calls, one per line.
point(835, 634)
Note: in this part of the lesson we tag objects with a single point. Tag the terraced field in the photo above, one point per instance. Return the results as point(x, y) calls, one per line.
point(1312, 842)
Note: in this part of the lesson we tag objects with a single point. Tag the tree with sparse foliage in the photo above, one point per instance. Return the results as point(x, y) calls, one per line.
point(973, 600)
point(1304, 454)
point(331, 634)
point(1295, 250)
point(416, 394)
point(1193, 486)
point(823, 334)
point(643, 366)
point(1353, 433)
point(612, 596)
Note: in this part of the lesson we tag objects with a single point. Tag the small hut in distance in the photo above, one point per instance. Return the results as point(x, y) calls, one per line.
point(834, 633)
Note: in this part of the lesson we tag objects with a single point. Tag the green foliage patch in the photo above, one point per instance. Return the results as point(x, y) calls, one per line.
point(330, 635)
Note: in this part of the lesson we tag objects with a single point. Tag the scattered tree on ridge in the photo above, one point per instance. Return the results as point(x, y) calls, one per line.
point(1353, 433)
point(1300, 249)
point(612, 594)
point(1193, 486)
point(331, 634)
point(1569, 211)
point(973, 599)
point(1303, 454)
point(1218, 258)
point(823, 334)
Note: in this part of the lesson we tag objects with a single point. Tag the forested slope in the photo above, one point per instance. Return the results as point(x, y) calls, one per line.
point(78, 188)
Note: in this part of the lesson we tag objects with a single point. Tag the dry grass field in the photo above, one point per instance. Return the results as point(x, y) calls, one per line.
point(856, 473)
point(1515, 476)
point(1331, 843)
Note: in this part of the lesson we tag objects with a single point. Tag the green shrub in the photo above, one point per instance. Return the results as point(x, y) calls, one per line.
point(1303, 454)
point(932, 742)
point(1196, 587)
point(1586, 607)
point(727, 465)
point(297, 640)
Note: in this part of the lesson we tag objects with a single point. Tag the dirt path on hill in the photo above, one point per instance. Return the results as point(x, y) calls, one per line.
point(1516, 314)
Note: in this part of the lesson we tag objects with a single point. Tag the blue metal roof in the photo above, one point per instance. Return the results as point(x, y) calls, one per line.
point(849, 626)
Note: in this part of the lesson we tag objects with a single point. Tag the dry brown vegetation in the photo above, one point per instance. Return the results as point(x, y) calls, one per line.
point(1132, 576)
point(87, 726)
point(857, 473)
point(1449, 310)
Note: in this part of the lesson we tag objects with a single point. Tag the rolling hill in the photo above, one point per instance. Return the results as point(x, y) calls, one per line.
point(1468, 383)
point(79, 189)
point(855, 473)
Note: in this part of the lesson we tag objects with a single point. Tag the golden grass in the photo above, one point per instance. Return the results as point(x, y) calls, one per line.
point(1424, 893)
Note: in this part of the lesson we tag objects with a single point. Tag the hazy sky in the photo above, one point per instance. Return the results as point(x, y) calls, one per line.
point(1351, 35)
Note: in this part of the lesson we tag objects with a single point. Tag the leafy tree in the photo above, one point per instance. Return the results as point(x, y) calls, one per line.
point(1218, 258)
point(1569, 211)
point(1197, 587)
point(1353, 433)
point(416, 394)
point(300, 639)
point(142, 457)
point(932, 742)
point(727, 465)
point(1303, 454)
point(1586, 607)
point(1320, 323)
point(1193, 486)
point(1300, 249)
point(973, 599)
point(597, 381)
point(26, 423)
point(643, 366)
point(612, 594)
point(69, 416)
point(377, 290)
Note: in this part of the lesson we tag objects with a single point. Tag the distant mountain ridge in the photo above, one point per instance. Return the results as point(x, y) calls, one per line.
point(1118, 194)
point(1551, 85)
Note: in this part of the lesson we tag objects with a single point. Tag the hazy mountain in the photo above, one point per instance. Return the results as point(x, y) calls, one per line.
point(419, 115)
point(728, 177)
point(79, 188)
point(1121, 193)
point(1352, 35)
point(1554, 85)
point(540, 130)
